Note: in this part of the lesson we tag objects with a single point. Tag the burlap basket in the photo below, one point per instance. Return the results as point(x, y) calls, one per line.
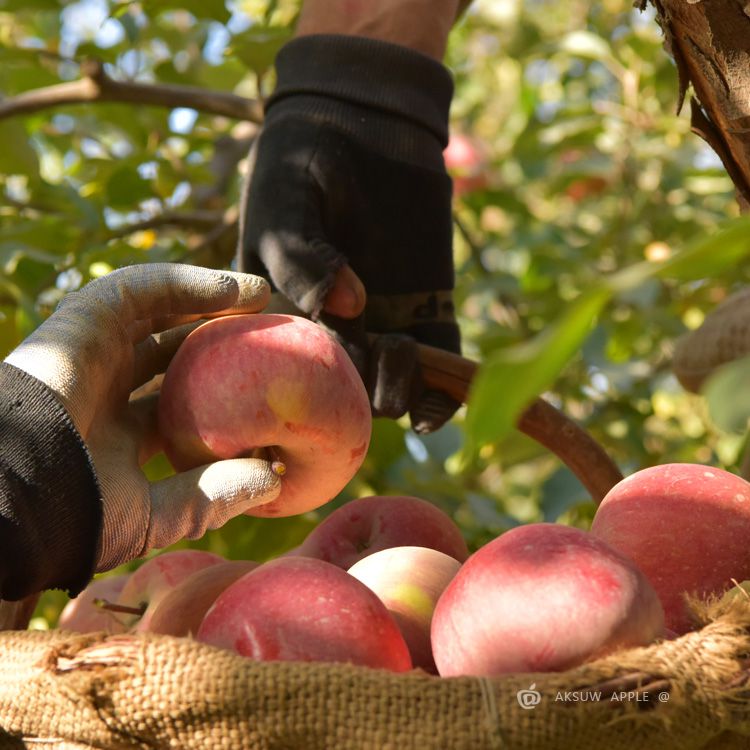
point(74, 692)
point(62, 690)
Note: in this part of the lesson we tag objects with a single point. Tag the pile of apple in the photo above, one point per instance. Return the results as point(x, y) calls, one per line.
point(387, 582)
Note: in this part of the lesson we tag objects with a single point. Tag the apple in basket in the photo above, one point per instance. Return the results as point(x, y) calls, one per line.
point(539, 598)
point(409, 581)
point(84, 613)
point(182, 609)
point(154, 580)
point(302, 609)
point(686, 526)
point(276, 386)
point(363, 526)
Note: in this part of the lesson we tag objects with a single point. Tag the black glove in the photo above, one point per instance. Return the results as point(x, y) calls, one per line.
point(349, 170)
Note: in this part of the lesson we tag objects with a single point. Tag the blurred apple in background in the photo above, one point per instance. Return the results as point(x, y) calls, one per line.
point(467, 164)
point(301, 609)
point(409, 581)
point(368, 524)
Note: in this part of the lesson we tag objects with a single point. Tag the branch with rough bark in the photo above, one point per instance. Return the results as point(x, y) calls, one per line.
point(710, 43)
point(97, 86)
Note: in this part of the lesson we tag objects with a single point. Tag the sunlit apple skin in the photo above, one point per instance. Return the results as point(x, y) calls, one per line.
point(686, 526)
point(243, 383)
point(541, 598)
point(181, 611)
point(301, 609)
point(409, 581)
point(83, 616)
point(156, 578)
point(363, 526)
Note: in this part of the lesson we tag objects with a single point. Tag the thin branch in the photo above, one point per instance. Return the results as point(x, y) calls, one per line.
point(219, 244)
point(97, 86)
point(192, 219)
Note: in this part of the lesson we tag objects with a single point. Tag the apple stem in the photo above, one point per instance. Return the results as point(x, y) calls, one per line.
point(124, 609)
point(269, 453)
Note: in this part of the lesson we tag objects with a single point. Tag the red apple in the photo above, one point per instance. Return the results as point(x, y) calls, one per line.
point(466, 163)
point(542, 597)
point(686, 526)
point(275, 384)
point(301, 609)
point(409, 581)
point(361, 527)
point(149, 584)
point(82, 614)
point(182, 609)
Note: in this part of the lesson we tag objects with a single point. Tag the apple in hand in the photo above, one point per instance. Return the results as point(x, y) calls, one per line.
point(301, 609)
point(154, 580)
point(182, 609)
point(83, 615)
point(366, 525)
point(540, 598)
point(277, 386)
point(686, 526)
point(409, 581)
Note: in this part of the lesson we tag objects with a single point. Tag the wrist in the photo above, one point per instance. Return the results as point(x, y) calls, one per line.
point(50, 499)
point(421, 25)
point(346, 72)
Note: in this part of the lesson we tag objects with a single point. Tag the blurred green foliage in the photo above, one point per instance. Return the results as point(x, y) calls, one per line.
point(587, 171)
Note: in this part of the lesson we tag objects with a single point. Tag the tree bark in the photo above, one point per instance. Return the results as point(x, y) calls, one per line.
point(710, 43)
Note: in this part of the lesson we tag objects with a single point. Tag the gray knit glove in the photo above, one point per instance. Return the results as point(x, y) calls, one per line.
point(724, 336)
point(94, 351)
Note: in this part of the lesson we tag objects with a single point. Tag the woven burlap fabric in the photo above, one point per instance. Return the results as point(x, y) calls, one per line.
point(723, 337)
point(63, 690)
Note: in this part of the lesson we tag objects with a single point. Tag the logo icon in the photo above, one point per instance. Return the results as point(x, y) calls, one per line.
point(529, 698)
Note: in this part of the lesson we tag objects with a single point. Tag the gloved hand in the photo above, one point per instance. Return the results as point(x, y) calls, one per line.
point(348, 187)
point(722, 337)
point(94, 351)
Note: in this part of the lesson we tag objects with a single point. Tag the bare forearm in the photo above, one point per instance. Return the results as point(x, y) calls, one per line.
point(422, 25)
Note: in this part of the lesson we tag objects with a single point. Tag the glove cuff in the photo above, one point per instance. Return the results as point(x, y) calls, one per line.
point(368, 72)
point(50, 502)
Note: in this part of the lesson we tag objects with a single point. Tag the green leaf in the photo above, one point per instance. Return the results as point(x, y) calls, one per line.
point(126, 188)
point(258, 46)
point(710, 255)
point(727, 393)
point(510, 379)
point(214, 9)
point(17, 156)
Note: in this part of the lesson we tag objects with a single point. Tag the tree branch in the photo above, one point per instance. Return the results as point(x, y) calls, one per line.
point(199, 219)
point(97, 86)
point(710, 43)
point(217, 247)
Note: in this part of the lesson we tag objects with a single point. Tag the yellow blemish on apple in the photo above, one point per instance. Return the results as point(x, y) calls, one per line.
point(287, 399)
point(413, 597)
